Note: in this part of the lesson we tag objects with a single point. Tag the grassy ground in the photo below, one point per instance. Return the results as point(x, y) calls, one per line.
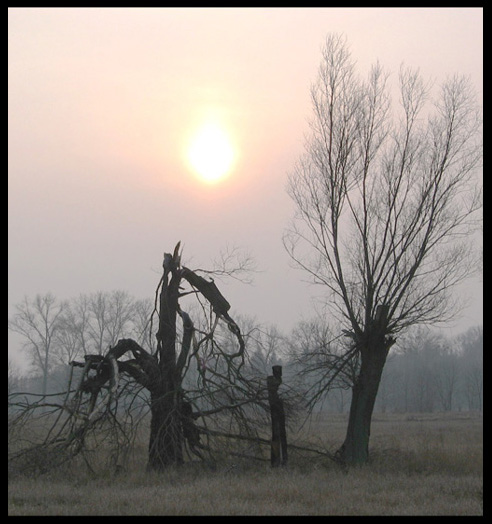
point(420, 465)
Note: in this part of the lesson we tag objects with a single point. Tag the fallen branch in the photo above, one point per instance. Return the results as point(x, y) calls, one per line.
point(267, 442)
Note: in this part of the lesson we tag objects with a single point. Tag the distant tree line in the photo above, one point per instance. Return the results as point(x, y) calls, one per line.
point(425, 371)
point(55, 332)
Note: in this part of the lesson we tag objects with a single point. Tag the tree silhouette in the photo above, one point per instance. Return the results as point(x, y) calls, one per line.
point(386, 200)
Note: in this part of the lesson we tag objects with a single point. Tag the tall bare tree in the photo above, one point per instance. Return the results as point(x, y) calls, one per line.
point(472, 349)
point(109, 317)
point(386, 198)
point(38, 321)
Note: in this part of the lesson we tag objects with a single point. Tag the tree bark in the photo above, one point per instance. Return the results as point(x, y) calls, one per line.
point(165, 444)
point(355, 449)
point(278, 449)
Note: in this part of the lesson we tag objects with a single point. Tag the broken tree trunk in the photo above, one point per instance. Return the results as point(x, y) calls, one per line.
point(278, 452)
point(165, 444)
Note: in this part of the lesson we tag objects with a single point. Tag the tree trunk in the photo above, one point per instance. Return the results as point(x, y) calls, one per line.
point(278, 450)
point(166, 441)
point(355, 449)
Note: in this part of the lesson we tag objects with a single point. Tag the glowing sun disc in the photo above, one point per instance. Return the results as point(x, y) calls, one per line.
point(210, 153)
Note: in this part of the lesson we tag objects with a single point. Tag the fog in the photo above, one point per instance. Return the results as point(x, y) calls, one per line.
point(101, 105)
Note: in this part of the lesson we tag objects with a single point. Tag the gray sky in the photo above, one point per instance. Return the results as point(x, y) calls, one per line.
point(102, 105)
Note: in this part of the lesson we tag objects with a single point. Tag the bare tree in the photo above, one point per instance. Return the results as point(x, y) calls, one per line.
point(92, 323)
point(38, 322)
point(141, 321)
point(325, 361)
point(472, 351)
point(447, 377)
point(386, 199)
point(13, 376)
point(420, 351)
point(191, 381)
point(73, 339)
point(109, 317)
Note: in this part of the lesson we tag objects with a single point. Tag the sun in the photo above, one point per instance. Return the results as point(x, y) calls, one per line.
point(210, 153)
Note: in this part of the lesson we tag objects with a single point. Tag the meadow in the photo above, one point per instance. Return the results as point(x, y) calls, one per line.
point(421, 464)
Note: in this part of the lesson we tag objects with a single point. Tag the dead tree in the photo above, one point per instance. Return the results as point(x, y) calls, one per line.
point(200, 394)
point(212, 353)
point(162, 373)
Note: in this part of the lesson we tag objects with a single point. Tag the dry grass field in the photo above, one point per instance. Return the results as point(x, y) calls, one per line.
point(420, 465)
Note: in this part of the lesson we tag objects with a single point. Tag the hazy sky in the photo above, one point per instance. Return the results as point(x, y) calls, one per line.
point(103, 102)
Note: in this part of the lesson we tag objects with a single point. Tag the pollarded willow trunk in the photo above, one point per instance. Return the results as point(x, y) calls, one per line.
point(374, 345)
point(355, 449)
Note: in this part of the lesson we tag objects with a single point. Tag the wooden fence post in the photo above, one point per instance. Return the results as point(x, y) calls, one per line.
point(278, 450)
